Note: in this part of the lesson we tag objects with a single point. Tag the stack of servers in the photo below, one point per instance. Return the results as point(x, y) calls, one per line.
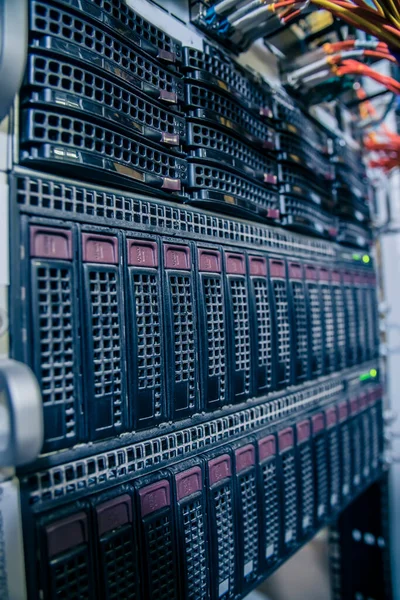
point(305, 172)
point(352, 196)
point(102, 98)
point(230, 141)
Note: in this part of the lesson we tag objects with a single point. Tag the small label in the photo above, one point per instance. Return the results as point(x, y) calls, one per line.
point(235, 264)
point(154, 497)
point(100, 249)
point(219, 468)
point(142, 253)
point(277, 268)
point(169, 97)
point(288, 536)
point(258, 266)
point(166, 56)
point(46, 242)
point(189, 482)
point(245, 457)
point(248, 568)
point(269, 551)
point(170, 139)
point(265, 111)
point(172, 185)
point(223, 588)
point(271, 179)
point(209, 260)
point(177, 257)
point(273, 213)
point(306, 521)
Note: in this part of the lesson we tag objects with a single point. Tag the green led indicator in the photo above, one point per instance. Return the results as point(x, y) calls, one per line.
point(365, 377)
point(373, 372)
point(356, 256)
point(366, 259)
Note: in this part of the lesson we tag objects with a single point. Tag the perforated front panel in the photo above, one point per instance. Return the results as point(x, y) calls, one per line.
point(321, 476)
point(366, 444)
point(329, 328)
point(118, 565)
point(69, 576)
point(282, 330)
point(54, 320)
point(362, 323)
point(103, 339)
point(371, 324)
point(147, 382)
point(215, 333)
point(375, 434)
point(184, 341)
point(301, 328)
point(356, 451)
point(289, 498)
point(249, 524)
point(241, 333)
point(307, 486)
point(195, 576)
point(264, 338)
point(317, 337)
point(160, 557)
point(225, 538)
point(340, 326)
point(271, 511)
point(346, 458)
point(334, 467)
point(48, 20)
point(351, 326)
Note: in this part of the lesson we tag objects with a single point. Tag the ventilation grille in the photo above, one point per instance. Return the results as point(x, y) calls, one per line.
point(184, 333)
point(307, 487)
point(317, 343)
point(362, 323)
point(351, 325)
point(118, 565)
point(322, 476)
point(206, 99)
point(282, 330)
point(203, 136)
point(264, 323)
point(64, 77)
point(356, 453)
point(54, 315)
point(228, 184)
point(82, 136)
point(223, 68)
point(329, 327)
point(249, 523)
point(271, 511)
point(105, 333)
point(334, 467)
point(367, 444)
point(301, 328)
point(160, 559)
point(69, 576)
point(60, 197)
point(290, 498)
point(371, 324)
point(225, 538)
point(195, 550)
point(241, 330)
point(346, 459)
point(340, 326)
point(216, 331)
point(50, 21)
point(134, 23)
point(375, 428)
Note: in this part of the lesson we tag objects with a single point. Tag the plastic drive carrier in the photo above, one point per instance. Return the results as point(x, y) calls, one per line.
point(222, 524)
point(208, 144)
point(307, 217)
point(191, 521)
point(247, 511)
point(157, 534)
point(320, 466)
point(215, 68)
point(354, 234)
point(317, 344)
point(300, 318)
point(307, 477)
point(63, 85)
point(67, 143)
point(293, 149)
point(351, 317)
point(289, 118)
point(328, 318)
point(59, 31)
point(296, 181)
point(282, 327)
point(356, 442)
point(214, 363)
point(121, 20)
point(333, 450)
point(345, 450)
point(223, 189)
point(288, 500)
point(180, 308)
point(218, 109)
point(270, 530)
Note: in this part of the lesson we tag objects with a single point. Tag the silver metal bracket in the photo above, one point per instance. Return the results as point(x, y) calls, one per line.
point(21, 414)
